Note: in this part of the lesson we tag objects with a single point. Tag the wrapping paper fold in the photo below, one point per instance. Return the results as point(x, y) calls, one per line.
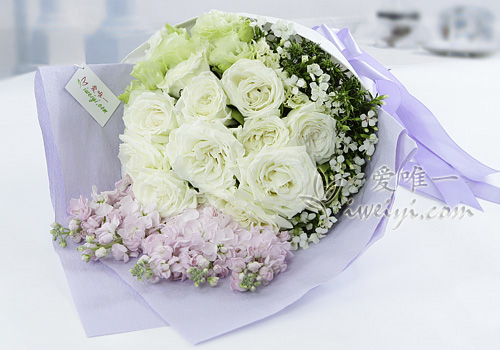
point(81, 154)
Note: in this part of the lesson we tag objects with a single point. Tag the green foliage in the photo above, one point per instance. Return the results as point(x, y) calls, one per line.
point(350, 101)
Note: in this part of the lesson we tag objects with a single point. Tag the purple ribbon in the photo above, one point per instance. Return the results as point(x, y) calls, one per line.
point(451, 174)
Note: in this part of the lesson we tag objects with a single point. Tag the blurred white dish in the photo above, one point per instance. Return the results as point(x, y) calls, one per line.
point(442, 47)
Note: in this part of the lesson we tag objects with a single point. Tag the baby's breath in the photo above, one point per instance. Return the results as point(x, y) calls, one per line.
point(310, 71)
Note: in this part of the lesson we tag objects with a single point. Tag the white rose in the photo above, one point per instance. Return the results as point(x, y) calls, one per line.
point(181, 75)
point(253, 88)
point(205, 154)
point(316, 130)
point(246, 212)
point(281, 180)
point(204, 98)
point(260, 132)
point(136, 153)
point(163, 188)
point(151, 115)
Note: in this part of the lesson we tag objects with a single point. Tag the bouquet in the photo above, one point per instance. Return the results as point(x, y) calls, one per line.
point(242, 140)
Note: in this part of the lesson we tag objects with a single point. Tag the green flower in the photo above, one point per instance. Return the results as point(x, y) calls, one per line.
point(216, 24)
point(246, 32)
point(134, 85)
point(175, 48)
point(229, 49)
point(149, 73)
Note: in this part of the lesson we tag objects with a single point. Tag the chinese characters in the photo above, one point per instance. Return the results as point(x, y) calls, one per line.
point(384, 178)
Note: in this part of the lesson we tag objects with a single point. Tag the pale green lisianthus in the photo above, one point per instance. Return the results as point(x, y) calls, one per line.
point(174, 48)
point(263, 52)
point(181, 75)
point(167, 48)
point(154, 41)
point(149, 73)
point(230, 37)
point(216, 24)
point(228, 50)
point(135, 85)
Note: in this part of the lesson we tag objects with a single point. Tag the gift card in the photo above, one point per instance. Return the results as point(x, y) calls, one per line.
point(90, 92)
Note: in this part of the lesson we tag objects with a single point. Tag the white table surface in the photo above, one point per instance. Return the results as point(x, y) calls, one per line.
point(426, 285)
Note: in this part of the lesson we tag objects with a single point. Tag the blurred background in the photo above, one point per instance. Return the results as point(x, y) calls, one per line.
point(56, 32)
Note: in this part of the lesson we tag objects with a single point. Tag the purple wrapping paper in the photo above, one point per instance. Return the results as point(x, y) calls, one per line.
point(105, 293)
point(81, 154)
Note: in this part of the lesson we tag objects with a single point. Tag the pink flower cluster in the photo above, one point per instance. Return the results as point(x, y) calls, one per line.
point(200, 244)
point(113, 222)
point(205, 245)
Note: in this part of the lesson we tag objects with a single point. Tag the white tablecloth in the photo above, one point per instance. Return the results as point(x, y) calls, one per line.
point(425, 285)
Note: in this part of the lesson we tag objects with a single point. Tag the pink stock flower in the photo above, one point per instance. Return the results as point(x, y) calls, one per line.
point(102, 209)
point(207, 239)
point(267, 274)
point(235, 282)
point(91, 225)
point(129, 207)
point(80, 209)
point(220, 268)
point(119, 252)
point(74, 224)
point(98, 197)
point(150, 243)
point(106, 233)
point(202, 238)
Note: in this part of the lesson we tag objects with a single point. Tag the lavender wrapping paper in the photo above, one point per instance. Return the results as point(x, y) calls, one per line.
point(80, 154)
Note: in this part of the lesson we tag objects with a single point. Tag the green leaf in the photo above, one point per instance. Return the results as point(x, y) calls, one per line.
point(236, 115)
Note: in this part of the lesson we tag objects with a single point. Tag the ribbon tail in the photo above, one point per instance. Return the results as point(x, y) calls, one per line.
point(437, 154)
point(423, 126)
point(449, 181)
point(485, 191)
